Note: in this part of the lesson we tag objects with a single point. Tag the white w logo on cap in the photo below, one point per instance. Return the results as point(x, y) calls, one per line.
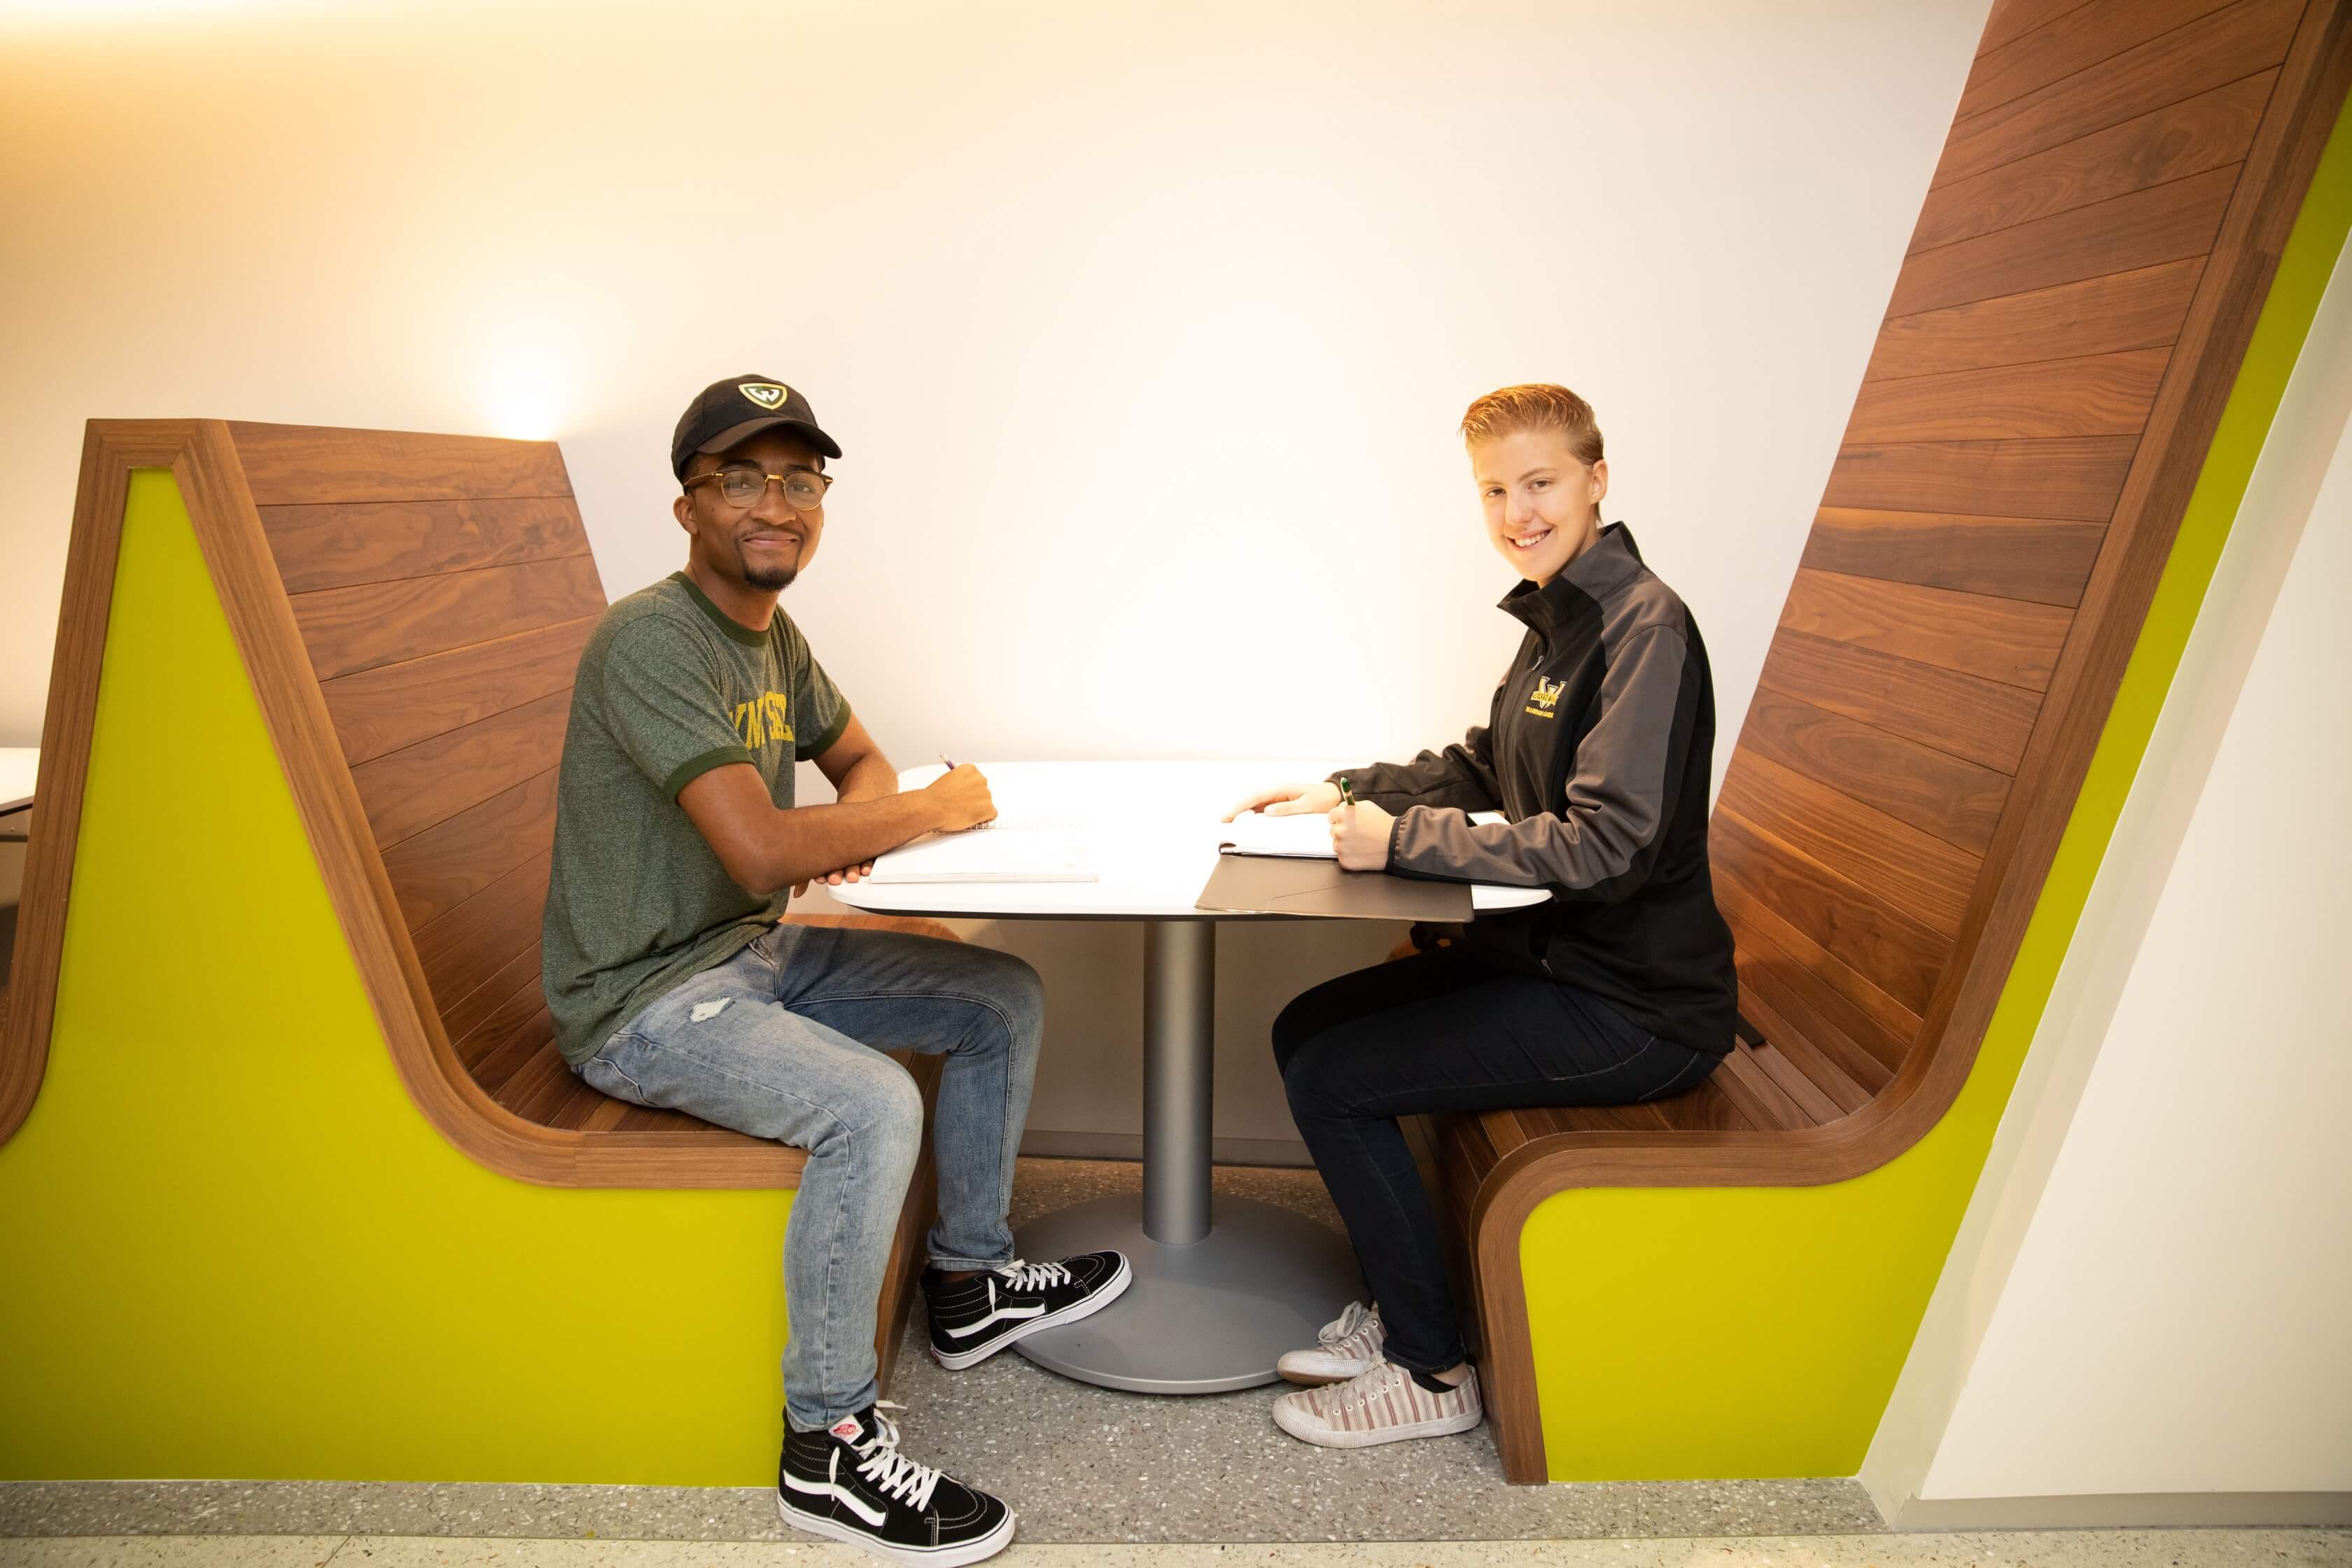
point(766, 393)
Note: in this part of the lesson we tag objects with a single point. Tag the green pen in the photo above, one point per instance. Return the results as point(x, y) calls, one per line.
point(1347, 791)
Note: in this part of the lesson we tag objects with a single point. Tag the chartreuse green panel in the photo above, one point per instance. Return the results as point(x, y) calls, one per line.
point(232, 1245)
point(1713, 1331)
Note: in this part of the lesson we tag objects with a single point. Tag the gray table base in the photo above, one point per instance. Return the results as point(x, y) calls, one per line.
point(1218, 1291)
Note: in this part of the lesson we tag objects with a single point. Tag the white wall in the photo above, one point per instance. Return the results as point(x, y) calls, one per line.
point(2143, 1320)
point(1145, 327)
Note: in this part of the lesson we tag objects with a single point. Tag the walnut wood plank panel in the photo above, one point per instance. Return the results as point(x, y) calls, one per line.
point(1841, 1087)
point(2212, 51)
point(1810, 1097)
point(413, 788)
point(1761, 1100)
point(2001, 557)
point(343, 546)
point(538, 1085)
point(2136, 310)
point(2104, 394)
point(1894, 952)
point(462, 1016)
point(650, 1118)
point(394, 705)
point(1958, 801)
point(513, 1052)
point(2075, 41)
point(1813, 992)
point(1914, 872)
point(2167, 223)
point(1983, 721)
point(579, 1106)
point(465, 946)
point(2012, 641)
point(503, 1022)
point(2208, 131)
point(1550, 1120)
point(1707, 1109)
point(348, 630)
point(444, 866)
point(2012, 19)
point(302, 465)
point(2076, 479)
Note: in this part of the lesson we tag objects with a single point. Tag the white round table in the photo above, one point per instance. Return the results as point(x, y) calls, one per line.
point(1222, 1288)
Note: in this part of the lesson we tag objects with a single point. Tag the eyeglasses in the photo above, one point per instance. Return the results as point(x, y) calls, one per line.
point(744, 485)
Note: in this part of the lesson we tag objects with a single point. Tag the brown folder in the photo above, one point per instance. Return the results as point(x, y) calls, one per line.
point(1282, 885)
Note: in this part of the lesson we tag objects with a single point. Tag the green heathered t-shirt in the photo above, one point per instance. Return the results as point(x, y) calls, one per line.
point(668, 688)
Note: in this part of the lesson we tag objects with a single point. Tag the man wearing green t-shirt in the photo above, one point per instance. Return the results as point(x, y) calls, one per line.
point(677, 840)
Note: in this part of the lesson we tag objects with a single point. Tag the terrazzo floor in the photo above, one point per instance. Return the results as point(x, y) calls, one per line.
point(1085, 1468)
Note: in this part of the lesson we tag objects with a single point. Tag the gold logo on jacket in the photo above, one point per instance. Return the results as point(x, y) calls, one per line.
point(1546, 697)
point(762, 721)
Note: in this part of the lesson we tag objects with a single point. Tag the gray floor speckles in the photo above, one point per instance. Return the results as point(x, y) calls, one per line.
point(1078, 1463)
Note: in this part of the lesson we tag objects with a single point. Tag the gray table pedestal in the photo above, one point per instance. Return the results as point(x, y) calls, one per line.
point(1220, 1291)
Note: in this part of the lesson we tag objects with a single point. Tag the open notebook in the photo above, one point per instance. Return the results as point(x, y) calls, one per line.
point(1304, 836)
point(1001, 854)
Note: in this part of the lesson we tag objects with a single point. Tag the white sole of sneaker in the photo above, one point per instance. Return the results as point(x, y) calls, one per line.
point(1324, 1437)
point(956, 1361)
point(1311, 1377)
point(963, 1551)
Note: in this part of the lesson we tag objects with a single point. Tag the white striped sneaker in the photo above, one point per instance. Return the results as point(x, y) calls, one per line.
point(1384, 1405)
point(1348, 1346)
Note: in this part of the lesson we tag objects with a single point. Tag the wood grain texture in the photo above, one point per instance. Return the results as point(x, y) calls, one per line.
point(1999, 557)
point(348, 630)
point(1981, 720)
point(1910, 870)
point(352, 543)
point(2208, 131)
point(1816, 994)
point(448, 863)
point(2115, 314)
point(304, 465)
point(2012, 19)
point(412, 789)
point(1894, 952)
point(2073, 479)
point(2104, 394)
point(464, 947)
point(1955, 800)
point(2012, 641)
point(2170, 222)
point(2238, 41)
point(394, 705)
point(2072, 41)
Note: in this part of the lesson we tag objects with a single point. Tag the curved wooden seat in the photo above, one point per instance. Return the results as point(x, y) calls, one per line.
point(2064, 333)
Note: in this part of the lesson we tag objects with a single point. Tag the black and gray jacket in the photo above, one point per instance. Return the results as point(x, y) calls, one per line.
point(1598, 751)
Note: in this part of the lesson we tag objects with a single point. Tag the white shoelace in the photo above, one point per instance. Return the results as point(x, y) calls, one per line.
point(1354, 1316)
point(891, 1471)
point(1019, 1276)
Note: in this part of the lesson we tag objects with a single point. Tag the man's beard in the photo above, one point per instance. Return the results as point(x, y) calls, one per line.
point(768, 579)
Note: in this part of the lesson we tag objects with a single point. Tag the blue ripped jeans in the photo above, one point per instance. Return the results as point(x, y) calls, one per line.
point(785, 1040)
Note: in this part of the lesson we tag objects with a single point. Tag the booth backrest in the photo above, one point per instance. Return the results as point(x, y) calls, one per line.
point(1952, 607)
point(444, 589)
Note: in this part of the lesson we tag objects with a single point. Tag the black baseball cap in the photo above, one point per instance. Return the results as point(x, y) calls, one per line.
point(737, 409)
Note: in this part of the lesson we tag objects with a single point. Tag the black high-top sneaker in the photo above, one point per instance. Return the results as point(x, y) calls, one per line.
point(973, 1318)
point(850, 1482)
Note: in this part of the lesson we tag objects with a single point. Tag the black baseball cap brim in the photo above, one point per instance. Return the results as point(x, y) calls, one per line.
point(735, 436)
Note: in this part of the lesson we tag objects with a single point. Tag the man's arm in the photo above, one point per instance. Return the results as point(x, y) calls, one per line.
point(855, 765)
point(763, 849)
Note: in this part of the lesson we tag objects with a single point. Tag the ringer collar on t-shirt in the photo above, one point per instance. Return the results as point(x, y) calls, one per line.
point(720, 619)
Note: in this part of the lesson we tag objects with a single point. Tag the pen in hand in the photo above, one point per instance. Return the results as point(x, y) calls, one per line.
point(977, 826)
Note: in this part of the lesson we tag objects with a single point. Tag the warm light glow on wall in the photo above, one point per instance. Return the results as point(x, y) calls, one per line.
point(525, 393)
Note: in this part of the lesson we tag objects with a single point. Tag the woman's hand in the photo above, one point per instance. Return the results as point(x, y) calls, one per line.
point(1360, 835)
point(1288, 800)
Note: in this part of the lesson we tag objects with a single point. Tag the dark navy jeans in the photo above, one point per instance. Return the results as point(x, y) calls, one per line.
point(1447, 1030)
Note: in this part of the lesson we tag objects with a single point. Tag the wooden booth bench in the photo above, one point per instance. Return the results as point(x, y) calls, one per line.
point(298, 784)
point(408, 612)
point(1726, 1283)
